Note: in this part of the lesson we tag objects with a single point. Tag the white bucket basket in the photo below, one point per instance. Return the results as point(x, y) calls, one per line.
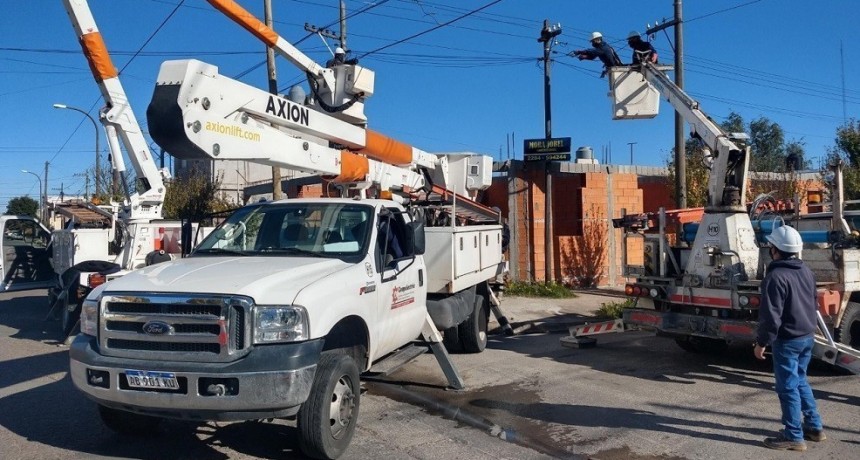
point(632, 96)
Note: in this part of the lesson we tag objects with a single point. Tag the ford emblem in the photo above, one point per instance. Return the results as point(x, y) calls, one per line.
point(157, 328)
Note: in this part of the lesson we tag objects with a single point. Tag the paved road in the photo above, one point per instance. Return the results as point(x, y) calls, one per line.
point(633, 397)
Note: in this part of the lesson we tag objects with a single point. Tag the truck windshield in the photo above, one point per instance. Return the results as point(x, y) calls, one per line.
point(292, 229)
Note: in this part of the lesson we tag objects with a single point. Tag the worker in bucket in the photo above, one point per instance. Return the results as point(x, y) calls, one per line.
point(642, 50)
point(787, 323)
point(599, 49)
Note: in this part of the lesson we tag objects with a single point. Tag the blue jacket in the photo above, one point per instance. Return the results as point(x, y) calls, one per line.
point(603, 51)
point(789, 302)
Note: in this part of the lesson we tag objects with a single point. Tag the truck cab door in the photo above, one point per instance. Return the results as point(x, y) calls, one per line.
point(25, 260)
point(402, 284)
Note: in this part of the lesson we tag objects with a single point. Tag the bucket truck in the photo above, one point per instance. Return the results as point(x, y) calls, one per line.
point(705, 290)
point(280, 309)
point(85, 257)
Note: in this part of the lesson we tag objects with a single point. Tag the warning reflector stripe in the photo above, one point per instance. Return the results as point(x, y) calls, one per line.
point(598, 328)
point(247, 20)
point(701, 300)
point(97, 56)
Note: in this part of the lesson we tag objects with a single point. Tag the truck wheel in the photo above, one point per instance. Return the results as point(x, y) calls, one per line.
point(473, 331)
point(326, 421)
point(848, 332)
point(129, 423)
point(702, 344)
point(451, 340)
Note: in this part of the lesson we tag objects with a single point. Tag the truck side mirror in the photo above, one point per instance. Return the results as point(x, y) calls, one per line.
point(185, 236)
point(416, 235)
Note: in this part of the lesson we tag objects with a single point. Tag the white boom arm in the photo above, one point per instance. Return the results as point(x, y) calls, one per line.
point(196, 113)
point(145, 201)
point(730, 163)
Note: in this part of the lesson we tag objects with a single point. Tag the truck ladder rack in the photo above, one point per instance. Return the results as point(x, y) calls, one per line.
point(463, 206)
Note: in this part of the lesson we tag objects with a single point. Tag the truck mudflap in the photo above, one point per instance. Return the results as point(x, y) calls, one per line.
point(271, 381)
point(681, 324)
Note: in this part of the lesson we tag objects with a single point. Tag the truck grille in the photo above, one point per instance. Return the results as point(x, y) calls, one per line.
point(174, 328)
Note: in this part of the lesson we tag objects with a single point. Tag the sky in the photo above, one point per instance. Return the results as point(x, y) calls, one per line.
point(468, 84)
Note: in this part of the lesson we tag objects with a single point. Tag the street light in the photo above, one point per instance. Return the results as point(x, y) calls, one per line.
point(41, 208)
point(96, 126)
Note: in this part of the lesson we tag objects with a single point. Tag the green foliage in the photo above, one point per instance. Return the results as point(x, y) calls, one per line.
point(193, 197)
point(767, 140)
point(769, 152)
point(527, 289)
point(614, 309)
point(848, 141)
point(22, 206)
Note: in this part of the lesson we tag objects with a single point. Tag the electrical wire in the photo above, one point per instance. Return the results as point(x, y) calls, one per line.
point(424, 32)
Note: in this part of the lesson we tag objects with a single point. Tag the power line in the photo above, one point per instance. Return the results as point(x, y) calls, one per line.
point(152, 35)
point(721, 11)
point(424, 32)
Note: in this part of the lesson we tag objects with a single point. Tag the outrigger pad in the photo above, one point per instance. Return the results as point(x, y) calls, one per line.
point(578, 342)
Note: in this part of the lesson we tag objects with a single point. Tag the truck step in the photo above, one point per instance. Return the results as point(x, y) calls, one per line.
point(398, 359)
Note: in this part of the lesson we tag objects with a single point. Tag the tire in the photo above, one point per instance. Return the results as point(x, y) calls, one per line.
point(848, 332)
point(473, 331)
point(326, 421)
point(451, 340)
point(702, 344)
point(129, 423)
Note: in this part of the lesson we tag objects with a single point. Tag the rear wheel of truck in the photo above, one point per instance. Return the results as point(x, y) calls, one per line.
point(473, 331)
point(326, 421)
point(848, 332)
point(129, 423)
point(701, 344)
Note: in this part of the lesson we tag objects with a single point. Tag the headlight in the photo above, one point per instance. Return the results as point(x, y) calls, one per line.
point(90, 317)
point(280, 324)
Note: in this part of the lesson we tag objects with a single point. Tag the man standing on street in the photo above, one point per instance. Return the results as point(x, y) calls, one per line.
point(787, 322)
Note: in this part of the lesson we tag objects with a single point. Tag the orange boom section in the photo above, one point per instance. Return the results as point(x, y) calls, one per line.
point(353, 167)
point(246, 20)
point(98, 56)
point(386, 149)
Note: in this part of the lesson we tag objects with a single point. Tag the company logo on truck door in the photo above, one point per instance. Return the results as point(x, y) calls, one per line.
point(288, 111)
point(402, 296)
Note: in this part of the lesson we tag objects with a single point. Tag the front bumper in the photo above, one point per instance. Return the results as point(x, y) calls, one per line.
point(271, 381)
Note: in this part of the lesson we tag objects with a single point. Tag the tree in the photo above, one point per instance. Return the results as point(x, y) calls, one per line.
point(22, 206)
point(769, 153)
point(767, 141)
point(847, 148)
point(194, 197)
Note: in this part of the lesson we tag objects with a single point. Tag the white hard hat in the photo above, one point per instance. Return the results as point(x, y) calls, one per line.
point(596, 35)
point(786, 239)
point(632, 34)
point(338, 50)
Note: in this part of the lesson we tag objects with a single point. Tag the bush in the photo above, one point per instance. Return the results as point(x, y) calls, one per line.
point(552, 290)
point(614, 309)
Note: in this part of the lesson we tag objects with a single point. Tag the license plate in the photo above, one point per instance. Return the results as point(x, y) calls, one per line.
point(152, 380)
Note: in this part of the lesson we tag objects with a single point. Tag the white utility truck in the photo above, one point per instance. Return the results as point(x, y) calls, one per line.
point(704, 290)
point(280, 308)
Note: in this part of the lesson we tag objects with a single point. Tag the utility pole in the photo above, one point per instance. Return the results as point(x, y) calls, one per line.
point(631, 144)
point(45, 184)
point(342, 38)
point(547, 34)
point(273, 89)
point(680, 153)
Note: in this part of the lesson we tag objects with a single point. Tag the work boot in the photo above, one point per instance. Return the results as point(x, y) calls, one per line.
point(813, 435)
point(781, 443)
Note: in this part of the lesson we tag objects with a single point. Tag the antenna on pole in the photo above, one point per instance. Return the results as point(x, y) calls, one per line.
point(842, 61)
